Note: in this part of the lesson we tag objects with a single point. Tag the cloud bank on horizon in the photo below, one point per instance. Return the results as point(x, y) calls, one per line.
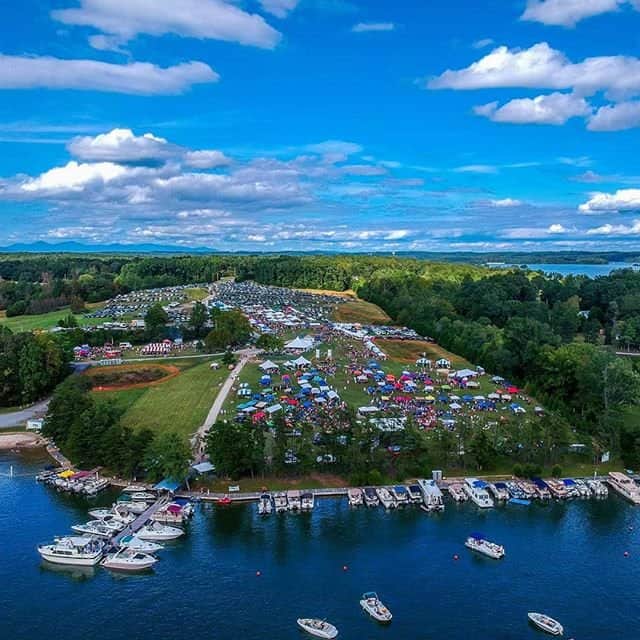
point(322, 124)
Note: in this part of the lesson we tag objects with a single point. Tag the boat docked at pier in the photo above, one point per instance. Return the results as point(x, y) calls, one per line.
point(477, 542)
point(515, 491)
point(307, 501)
point(431, 495)
point(280, 502)
point(157, 531)
point(137, 544)
point(370, 497)
point(294, 499)
point(265, 505)
point(598, 488)
point(498, 490)
point(400, 495)
point(318, 628)
point(355, 497)
point(372, 605)
point(546, 623)
point(558, 489)
point(583, 488)
point(116, 513)
point(457, 493)
point(385, 497)
point(477, 491)
point(99, 528)
point(132, 506)
point(82, 551)
point(542, 490)
point(130, 560)
point(415, 495)
point(529, 489)
point(625, 486)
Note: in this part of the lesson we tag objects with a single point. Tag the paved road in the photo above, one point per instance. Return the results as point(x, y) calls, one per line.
point(19, 417)
point(244, 357)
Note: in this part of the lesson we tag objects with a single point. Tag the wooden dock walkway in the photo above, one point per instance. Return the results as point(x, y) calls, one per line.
point(255, 495)
point(139, 522)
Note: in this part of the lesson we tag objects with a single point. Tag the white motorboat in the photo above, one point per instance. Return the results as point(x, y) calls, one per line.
point(598, 488)
point(156, 531)
point(136, 507)
point(317, 627)
point(126, 559)
point(415, 495)
point(386, 499)
point(355, 497)
point(107, 515)
point(374, 607)
point(143, 496)
point(457, 493)
point(477, 491)
point(370, 497)
point(476, 542)
point(294, 499)
point(73, 550)
point(307, 501)
point(546, 623)
point(97, 528)
point(400, 495)
point(137, 544)
point(280, 501)
point(135, 488)
point(431, 495)
point(265, 506)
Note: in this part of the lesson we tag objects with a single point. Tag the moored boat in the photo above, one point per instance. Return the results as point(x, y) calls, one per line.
point(498, 490)
point(415, 495)
point(625, 486)
point(431, 495)
point(294, 499)
point(318, 628)
point(400, 495)
point(137, 544)
point(97, 528)
point(73, 550)
point(457, 493)
point(355, 497)
point(156, 531)
point(477, 491)
point(386, 499)
point(546, 623)
point(370, 497)
point(307, 501)
point(374, 607)
point(128, 560)
point(265, 506)
point(477, 542)
point(280, 501)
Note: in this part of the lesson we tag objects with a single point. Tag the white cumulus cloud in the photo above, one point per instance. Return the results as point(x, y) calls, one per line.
point(123, 20)
point(505, 202)
point(21, 72)
point(557, 228)
point(73, 176)
point(279, 8)
point(618, 117)
point(553, 109)
point(567, 13)
point(621, 200)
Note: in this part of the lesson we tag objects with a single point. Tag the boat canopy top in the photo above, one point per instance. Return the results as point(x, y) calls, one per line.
point(568, 482)
point(500, 485)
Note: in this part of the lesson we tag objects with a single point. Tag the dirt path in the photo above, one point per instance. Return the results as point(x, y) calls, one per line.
point(218, 403)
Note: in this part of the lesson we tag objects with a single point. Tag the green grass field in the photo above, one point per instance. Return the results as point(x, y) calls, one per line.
point(180, 404)
point(196, 294)
point(45, 321)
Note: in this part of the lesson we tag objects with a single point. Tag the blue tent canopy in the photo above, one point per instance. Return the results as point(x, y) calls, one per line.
point(168, 484)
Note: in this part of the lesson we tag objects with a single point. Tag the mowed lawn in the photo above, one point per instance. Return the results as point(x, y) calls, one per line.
point(408, 351)
point(359, 311)
point(45, 321)
point(180, 404)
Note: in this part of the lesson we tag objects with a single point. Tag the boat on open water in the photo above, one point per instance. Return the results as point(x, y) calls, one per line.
point(318, 628)
point(477, 542)
point(546, 623)
point(372, 605)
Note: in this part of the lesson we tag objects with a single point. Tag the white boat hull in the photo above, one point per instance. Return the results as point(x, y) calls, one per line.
point(77, 561)
point(318, 628)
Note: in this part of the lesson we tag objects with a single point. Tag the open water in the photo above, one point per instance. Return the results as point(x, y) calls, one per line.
point(563, 559)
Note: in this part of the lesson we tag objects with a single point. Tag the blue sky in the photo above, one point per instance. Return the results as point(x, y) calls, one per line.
point(352, 125)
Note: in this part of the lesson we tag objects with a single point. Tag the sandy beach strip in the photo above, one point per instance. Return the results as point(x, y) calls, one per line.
point(10, 441)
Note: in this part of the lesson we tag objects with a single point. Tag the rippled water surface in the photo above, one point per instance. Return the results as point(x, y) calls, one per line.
point(566, 560)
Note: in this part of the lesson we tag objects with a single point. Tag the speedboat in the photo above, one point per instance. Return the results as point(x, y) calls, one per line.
point(125, 502)
point(477, 491)
point(400, 494)
point(157, 531)
point(546, 623)
point(355, 497)
point(457, 492)
point(73, 550)
point(307, 501)
point(294, 499)
point(371, 497)
point(137, 544)
point(265, 507)
point(128, 560)
point(476, 542)
point(280, 501)
point(107, 515)
point(415, 495)
point(385, 498)
point(143, 496)
point(97, 528)
point(317, 627)
point(135, 488)
point(498, 490)
point(374, 607)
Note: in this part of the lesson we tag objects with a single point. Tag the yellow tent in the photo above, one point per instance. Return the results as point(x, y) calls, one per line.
point(66, 474)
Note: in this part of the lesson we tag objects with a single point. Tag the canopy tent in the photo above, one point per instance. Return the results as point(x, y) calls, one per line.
point(301, 362)
point(465, 373)
point(268, 365)
point(168, 484)
point(203, 467)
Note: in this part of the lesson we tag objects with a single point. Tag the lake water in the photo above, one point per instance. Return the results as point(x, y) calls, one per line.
point(591, 270)
point(567, 560)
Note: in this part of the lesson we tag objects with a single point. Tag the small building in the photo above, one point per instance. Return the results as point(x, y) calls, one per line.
point(35, 424)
